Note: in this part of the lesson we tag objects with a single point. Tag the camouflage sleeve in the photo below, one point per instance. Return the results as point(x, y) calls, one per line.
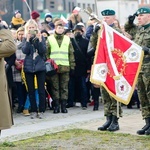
point(128, 26)
point(71, 57)
point(118, 29)
point(131, 29)
point(93, 40)
point(48, 49)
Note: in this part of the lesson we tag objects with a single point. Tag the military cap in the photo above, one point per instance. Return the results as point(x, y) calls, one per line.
point(108, 12)
point(143, 10)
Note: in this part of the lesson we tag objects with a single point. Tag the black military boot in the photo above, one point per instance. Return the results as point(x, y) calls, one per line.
point(106, 124)
point(147, 132)
point(114, 126)
point(56, 107)
point(63, 106)
point(145, 128)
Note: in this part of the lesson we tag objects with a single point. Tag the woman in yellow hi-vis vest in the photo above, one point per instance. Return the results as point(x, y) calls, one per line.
point(61, 51)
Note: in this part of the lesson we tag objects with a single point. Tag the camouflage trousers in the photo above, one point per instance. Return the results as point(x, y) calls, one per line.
point(110, 104)
point(59, 86)
point(144, 89)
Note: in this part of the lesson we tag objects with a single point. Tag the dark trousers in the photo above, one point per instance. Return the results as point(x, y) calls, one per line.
point(41, 90)
point(82, 89)
point(21, 93)
point(96, 94)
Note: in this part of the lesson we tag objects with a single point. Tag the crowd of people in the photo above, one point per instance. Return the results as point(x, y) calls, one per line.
point(72, 46)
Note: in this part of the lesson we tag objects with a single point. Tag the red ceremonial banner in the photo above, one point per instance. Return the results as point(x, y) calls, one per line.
point(116, 64)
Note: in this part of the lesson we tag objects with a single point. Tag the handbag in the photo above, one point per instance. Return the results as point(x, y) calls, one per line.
point(51, 67)
point(21, 64)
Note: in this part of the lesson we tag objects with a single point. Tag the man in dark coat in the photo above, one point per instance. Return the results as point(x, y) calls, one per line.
point(80, 45)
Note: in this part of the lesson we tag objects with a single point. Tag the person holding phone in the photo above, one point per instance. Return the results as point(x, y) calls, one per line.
point(34, 47)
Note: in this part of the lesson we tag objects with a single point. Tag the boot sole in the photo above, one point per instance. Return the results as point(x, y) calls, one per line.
point(113, 130)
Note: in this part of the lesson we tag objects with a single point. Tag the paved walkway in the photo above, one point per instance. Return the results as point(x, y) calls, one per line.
point(24, 127)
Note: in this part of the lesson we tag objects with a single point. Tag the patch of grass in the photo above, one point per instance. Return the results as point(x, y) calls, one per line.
point(81, 139)
point(7, 144)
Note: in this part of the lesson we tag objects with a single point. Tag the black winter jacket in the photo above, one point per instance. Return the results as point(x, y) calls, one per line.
point(35, 52)
point(80, 57)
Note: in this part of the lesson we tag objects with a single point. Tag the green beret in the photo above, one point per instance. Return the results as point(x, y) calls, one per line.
point(108, 12)
point(143, 10)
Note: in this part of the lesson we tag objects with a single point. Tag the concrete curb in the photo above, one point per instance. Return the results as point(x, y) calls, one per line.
point(76, 118)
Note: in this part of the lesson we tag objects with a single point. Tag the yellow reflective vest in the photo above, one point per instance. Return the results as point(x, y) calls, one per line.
point(60, 54)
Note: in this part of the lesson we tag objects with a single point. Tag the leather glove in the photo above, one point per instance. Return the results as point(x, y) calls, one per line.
point(7, 67)
point(131, 19)
point(146, 50)
point(96, 29)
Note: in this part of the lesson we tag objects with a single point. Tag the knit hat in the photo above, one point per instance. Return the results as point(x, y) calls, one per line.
point(81, 24)
point(76, 9)
point(48, 15)
point(44, 31)
point(16, 12)
point(35, 14)
point(78, 27)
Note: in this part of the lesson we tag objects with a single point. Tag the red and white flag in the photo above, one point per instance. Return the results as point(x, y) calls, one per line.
point(65, 21)
point(116, 64)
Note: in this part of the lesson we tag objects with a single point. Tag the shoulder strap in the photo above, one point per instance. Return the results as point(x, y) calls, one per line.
point(79, 48)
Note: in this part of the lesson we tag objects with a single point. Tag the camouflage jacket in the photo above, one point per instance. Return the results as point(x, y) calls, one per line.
point(131, 29)
point(94, 37)
point(142, 38)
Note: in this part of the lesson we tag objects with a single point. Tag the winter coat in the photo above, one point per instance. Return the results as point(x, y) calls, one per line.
point(16, 23)
point(73, 20)
point(35, 52)
point(89, 31)
point(81, 63)
point(10, 61)
point(7, 48)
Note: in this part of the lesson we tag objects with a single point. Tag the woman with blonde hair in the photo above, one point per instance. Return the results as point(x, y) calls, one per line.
point(35, 48)
point(20, 56)
point(74, 18)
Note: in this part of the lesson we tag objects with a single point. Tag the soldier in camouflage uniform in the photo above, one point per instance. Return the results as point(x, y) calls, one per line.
point(142, 38)
point(60, 49)
point(110, 104)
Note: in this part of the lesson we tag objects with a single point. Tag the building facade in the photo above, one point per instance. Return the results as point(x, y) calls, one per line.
point(123, 8)
point(144, 3)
